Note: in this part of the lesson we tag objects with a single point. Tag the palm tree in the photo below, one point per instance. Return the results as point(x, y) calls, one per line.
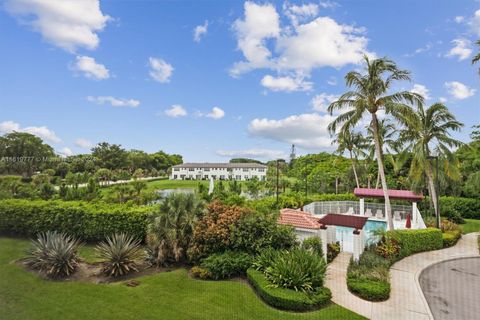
point(170, 231)
point(476, 58)
point(369, 95)
point(354, 143)
point(427, 130)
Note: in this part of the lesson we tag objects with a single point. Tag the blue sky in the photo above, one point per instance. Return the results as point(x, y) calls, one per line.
point(216, 79)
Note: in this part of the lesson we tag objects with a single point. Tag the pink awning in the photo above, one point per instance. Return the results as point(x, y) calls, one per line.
point(393, 194)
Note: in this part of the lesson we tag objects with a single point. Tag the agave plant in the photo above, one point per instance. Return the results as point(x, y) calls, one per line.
point(54, 253)
point(120, 254)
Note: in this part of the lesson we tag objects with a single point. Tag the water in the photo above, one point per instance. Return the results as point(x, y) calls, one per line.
point(166, 192)
point(345, 235)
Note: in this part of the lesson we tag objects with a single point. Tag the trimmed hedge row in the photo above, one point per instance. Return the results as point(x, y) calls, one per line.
point(450, 238)
point(468, 208)
point(87, 221)
point(287, 299)
point(414, 241)
point(368, 289)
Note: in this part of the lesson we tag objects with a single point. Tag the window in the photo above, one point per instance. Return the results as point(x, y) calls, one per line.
point(245, 169)
point(176, 169)
point(261, 170)
point(175, 176)
point(237, 177)
point(222, 177)
point(207, 169)
point(191, 169)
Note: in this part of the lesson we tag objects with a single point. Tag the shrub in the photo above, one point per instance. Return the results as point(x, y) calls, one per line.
point(451, 213)
point(119, 254)
point(201, 273)
point(297, 269)
point(413, 241)
point(265, 259)
point(371, 290)
point(287, 299)
point(227, 265)
point(53, 253)
point(86, 221)
point(313, 244)
point(450, 238)
point(388, 248)
point(469, 208)
point(255, 232)
point(333, 249)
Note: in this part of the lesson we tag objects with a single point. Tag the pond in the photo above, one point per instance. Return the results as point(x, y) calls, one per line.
point(166, 192)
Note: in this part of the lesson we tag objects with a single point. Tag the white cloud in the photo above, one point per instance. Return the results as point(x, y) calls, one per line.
point(458, 90)
point(253, 153)
point(216, 113)
point(200, 31)
point(261, 22)
point(462, 49)
point(161, 71)
point(423, 49)
point(68, 24)
point(421, 90)
point(474, 23)
point(308, 131)
point(90, 68)
point(114, 102)
point(442, 99)
point(459, 19)
point(328, 4)
point(321, 101)
point(300, 13)
point(176, 111)
point(332, 81)
point(41, 132)
point(286, 83)
point(83, 143)
point(66, 152)
point(301, 47)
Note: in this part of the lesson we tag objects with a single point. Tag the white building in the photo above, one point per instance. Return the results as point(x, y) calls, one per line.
point(219, 171)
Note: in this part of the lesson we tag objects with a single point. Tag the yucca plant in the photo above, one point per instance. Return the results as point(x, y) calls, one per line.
point(120, 254)
point(54, 253)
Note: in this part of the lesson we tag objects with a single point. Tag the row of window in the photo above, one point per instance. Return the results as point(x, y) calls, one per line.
point(207, 177)
point(229, 170)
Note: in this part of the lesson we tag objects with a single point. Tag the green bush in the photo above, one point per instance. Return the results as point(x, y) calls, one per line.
point(201, 273)
point(227, 265)
point(450, 238)
point(287, 299)
point(313, 244)
point(469, 208)
point(371, 290)
point(265, 259)
point(414, 241)
point(297, 269)
point(333, 249)
point(87, 221)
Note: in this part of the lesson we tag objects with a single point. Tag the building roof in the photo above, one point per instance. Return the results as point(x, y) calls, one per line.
point(343, 220)
point(221, 165)
point(393, 194)
point(298, 219)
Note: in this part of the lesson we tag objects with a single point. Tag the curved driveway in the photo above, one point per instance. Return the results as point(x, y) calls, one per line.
point(452, 289)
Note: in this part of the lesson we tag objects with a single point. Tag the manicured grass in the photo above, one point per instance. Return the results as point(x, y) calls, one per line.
point(87, 253)
point(470, 225)
point(171, 295)
point(162, 185)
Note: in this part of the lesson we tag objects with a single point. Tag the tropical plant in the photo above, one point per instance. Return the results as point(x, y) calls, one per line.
point(354, 143)
point(370, 94)
point(53, 253)
point(425, 132)
point(298, 269)
point(227, 264)
point(313, 244)
point(170, 232)
point(120, 254)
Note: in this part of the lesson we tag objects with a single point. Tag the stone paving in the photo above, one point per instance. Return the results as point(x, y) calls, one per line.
point(407, 301)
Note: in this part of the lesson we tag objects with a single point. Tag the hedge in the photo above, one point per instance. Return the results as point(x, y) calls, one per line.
point(450, 238)
point(468, 208)
point(227, 264)
point(287, 299)
point(368, 289)
point(414, 241)
point(87, 221)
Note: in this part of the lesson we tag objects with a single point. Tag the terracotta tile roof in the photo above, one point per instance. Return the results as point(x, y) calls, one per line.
point(343, 220)
point(298, 219)
point(394, 194)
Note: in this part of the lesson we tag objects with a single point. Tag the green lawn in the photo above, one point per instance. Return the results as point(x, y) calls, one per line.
point(162, 184)
point(471, 225)
point(171, 295)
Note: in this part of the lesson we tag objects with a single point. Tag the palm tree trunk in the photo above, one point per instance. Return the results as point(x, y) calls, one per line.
point(354, 170)
point(381, 172)
point(378, 179)
point(431, 187)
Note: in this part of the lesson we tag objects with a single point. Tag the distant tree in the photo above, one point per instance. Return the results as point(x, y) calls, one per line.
point(475, 135)
point(370, 94)
point(476, 58)
point(253, 187)
point(110, 156)
point(103, 175)
point(244, 160)
point(46, 191)
point(138, 186)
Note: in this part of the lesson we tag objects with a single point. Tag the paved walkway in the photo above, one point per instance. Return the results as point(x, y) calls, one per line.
point(407, 301)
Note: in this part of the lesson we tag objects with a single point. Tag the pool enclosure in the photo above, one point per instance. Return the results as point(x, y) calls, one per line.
point(352, 223)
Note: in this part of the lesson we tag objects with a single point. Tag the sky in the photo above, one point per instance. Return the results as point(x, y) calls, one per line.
point(211, 80)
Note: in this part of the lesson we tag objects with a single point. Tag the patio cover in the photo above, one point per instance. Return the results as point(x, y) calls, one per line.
point(393, 194)
point(343, 220)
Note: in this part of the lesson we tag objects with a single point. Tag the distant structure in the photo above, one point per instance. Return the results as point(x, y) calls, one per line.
point(219, 171)
point(292, 154)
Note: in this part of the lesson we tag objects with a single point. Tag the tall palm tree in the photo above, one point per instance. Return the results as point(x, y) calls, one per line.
point(370, 94)
point(476, 58)
point(355, 144)
point(425, 132)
